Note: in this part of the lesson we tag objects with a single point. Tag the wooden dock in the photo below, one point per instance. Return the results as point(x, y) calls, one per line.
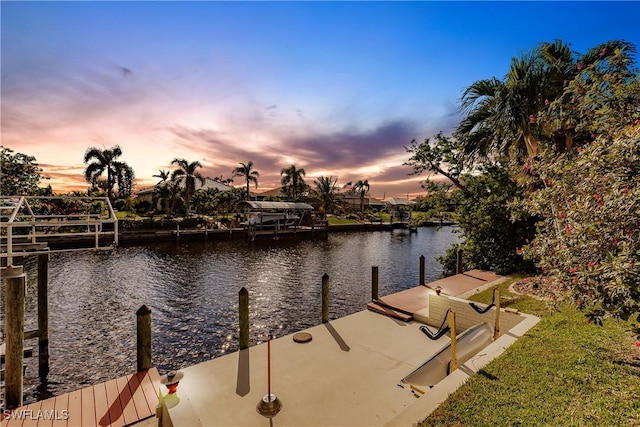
point(401, 305)
point(117, 403)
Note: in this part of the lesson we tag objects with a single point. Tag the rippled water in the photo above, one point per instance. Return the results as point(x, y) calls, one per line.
point(192, 290)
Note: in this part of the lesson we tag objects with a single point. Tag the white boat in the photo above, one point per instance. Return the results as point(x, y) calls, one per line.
point(436, 368)
point(272, 219)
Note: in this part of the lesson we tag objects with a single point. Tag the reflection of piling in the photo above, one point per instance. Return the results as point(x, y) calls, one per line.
point(14, 279)
point(422, 270)
point(496, 328)
point(143, 317)
point(43, 315)
point(243, 309)
point(325, 298)
point(453, 365)
point(459, 262)
point(374, 282)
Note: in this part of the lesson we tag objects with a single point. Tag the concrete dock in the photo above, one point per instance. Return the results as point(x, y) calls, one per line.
point(349, 374)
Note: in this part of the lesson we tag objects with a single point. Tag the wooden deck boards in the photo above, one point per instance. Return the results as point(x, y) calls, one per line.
point(407, 302)
point(116, 403)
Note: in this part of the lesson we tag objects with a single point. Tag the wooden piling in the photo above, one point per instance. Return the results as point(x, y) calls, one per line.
point(374, 282)
point(43, 315)
point(422, 270)
point(14, 279)
point(453, 365)
point(496, 328)
point(459, 269)
point(143, 316)
point(325, 298)
point(243, 308)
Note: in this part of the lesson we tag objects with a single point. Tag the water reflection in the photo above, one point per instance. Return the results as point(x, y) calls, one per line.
point(192, 290)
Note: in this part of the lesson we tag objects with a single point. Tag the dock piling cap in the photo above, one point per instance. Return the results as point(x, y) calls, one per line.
point(173, 377)
point(302, 337)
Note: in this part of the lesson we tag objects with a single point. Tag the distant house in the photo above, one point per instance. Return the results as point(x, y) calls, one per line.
point(146, 194)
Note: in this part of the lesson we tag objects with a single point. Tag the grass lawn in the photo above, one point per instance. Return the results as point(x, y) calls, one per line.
point(334, 220)
point(563, 372)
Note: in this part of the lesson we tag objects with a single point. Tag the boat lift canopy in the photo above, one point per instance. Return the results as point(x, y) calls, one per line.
point(273, 206)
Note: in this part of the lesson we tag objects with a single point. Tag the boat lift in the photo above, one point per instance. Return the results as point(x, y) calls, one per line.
point(29, 224)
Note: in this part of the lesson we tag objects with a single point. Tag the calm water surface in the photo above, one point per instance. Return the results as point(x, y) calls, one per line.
point(192, 290)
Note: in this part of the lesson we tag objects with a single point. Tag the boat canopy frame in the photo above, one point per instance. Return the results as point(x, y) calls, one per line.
point(255, 206)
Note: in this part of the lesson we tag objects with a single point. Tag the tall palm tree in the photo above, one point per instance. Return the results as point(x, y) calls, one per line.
point(326, 192)
point(187, 174)
point(361, 188)
point(162, 192)
point(101, 161)
point(292, 181)
point(248, 173)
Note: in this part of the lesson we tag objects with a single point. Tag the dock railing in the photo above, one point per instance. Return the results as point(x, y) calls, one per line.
point(28, 223)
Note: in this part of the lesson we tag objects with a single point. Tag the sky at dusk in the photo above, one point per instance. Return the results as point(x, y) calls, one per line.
point(336, 88)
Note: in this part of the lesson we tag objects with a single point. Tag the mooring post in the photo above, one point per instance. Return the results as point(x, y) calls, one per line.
point(421, 270)
point(459, 262)
point(453, 365)
point(325, 298)
point(374, 282)
point(243, 308)
point(43, 315)
point(143, 316)
point(14, 279)
point(496, 328)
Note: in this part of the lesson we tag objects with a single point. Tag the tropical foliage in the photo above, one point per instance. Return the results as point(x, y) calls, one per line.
point(250, 175)
point(561, 132)
point(326, 194)
point(19, 173)
point(186, 176)
point(361, 188)
point(293, 185)
point(106, 160)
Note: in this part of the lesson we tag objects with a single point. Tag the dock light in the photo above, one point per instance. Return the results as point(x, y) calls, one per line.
point(438, 290)
point(171, 380)
point(269, 406)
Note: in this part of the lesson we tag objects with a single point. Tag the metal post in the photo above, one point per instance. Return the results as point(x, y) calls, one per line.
point(243, 308)
point(43, 315)
point(374, 282)
point(14, 279)
point(143, 338)
point(325, 298)
point(422, 270)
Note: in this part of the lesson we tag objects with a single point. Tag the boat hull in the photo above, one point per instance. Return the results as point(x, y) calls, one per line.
point(436, 368)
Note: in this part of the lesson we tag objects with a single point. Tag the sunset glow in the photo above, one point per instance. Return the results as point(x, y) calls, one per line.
point(335, 88)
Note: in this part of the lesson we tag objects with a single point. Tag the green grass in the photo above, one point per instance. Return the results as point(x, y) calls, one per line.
point(563, 372)
point(334, 220)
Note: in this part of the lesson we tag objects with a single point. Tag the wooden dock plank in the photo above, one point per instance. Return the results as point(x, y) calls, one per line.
point(149, 383)
point(75, 409)
point(44, 417)
point(61, 404)
point(88, 413)
point(17, 419)
point(389, 312)
point(101, 403)
point(142, 407)
point(125, 391)
point(114, 406)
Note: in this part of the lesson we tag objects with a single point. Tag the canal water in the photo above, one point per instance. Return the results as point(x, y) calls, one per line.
point(192, 290)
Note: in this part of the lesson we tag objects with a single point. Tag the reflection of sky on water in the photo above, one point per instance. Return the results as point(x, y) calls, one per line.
point(192, 290)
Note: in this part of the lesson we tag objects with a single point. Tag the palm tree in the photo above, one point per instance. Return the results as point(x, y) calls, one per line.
point(162, 192)
point(292, 181)
point(362, 188)
point(101, 161)
point(326, 192)
point(246, 171)
point(187, 174)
